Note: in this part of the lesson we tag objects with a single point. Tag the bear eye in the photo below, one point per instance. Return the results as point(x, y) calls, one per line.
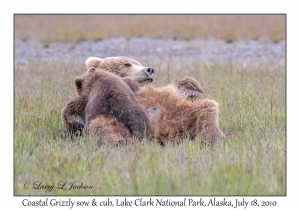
point(127, 64)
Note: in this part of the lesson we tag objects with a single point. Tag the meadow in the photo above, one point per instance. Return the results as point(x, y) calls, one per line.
point(250, 161)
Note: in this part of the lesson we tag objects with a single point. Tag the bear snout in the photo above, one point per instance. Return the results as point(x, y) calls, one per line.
point(149, 71)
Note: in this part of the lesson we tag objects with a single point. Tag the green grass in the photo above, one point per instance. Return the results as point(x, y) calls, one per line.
point(82, 27)
point(251, 160)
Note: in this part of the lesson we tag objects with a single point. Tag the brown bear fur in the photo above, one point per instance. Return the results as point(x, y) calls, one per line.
point(106, 94)
point(123, 67)
point(173, 117)
point(170, 115)
point(129, 70)
point(73, 114)
point(109, 131)
point(190, 88)
point(73, 117)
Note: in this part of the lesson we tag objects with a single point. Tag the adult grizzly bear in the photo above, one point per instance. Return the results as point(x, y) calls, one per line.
point(170, 114)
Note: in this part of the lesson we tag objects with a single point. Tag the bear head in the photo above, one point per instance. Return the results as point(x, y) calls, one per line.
point(84, 83)
point(123, 67)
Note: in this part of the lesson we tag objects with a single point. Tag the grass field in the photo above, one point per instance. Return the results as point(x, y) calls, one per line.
point(49, 28)
point(251, 160)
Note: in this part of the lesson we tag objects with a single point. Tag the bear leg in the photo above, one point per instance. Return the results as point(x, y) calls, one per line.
point(73, 120)
point(208, 122)
point(189, 88)
point(109, 131)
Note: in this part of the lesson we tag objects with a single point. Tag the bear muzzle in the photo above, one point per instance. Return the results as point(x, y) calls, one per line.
point(149, 72)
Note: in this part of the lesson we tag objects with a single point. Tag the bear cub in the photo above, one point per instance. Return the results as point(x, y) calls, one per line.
point(103, 93)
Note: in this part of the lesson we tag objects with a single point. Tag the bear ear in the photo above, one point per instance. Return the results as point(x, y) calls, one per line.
point(91, 69)
point(78, 83)
point(92, 62)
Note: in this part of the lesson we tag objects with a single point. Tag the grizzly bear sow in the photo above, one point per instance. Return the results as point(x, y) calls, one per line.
point(107, 95)
point(170, 113)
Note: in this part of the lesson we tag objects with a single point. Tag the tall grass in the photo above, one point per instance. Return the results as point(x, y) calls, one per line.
point(49, 28)
point(251, 160)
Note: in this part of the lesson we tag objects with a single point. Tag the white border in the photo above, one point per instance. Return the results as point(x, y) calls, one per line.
point(154, 6)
